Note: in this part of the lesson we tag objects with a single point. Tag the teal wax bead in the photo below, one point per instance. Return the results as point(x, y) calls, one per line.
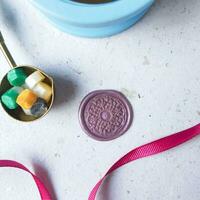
point(9, 97)
point(16, 77)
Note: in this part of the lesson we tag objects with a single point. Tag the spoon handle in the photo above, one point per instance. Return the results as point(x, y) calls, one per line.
point(6, 52)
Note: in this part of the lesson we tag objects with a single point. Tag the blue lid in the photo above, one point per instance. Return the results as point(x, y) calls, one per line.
point(83, 14)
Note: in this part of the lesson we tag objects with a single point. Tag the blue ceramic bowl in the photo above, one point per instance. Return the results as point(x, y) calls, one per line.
point(93, 20)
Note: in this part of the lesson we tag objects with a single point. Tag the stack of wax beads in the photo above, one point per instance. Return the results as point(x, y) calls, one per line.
point(28, 92)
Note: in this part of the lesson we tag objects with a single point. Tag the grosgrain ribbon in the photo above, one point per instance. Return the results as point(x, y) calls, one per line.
point(44, 194)
point(149, 149)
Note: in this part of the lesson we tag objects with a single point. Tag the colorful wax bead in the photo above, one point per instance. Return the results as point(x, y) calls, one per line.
point(9, 97)
point(16, 77)
point(26, 99)
point(43, 91)
point(34, 79)
point(27, 111)
point(24, 86)
point(39, 107)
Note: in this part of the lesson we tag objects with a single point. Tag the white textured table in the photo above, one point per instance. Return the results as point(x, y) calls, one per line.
point(156, 64)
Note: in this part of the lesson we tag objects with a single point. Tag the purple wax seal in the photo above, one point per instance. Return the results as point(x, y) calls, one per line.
point(105, 114)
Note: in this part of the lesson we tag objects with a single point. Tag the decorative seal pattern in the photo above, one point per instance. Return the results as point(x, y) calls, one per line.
point(105, 114)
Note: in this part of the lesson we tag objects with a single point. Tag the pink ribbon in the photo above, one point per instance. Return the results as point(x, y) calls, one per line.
point(149, 149)
point(44, 194)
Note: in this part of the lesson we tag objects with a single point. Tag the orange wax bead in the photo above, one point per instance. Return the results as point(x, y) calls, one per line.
point(26, 99)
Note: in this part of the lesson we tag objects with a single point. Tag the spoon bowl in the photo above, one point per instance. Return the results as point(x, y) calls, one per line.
point(18, 113)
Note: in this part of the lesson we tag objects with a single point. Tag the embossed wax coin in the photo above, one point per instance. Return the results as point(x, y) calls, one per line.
point(105, 114)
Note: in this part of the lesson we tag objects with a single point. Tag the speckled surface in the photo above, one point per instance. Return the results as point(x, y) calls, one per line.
point(155, 63)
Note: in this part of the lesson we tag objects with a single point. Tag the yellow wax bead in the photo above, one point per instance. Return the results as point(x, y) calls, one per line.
point(26, 99)
point(43, 91)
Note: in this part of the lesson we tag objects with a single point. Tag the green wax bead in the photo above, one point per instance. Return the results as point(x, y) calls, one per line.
point(16, 77)
point(9, 98)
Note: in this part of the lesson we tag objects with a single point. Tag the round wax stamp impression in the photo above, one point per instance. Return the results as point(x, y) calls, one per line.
point(105, 114)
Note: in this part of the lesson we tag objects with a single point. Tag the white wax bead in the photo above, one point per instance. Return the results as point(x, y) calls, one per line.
point(27, 111)
point(34, 79)
point(43, 91)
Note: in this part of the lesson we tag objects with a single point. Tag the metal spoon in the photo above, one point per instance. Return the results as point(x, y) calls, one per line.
point(18, 113)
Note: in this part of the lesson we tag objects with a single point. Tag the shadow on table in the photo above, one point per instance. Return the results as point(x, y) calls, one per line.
point(168, 10)
point(66, 87)
point(9, 18)
point(105, 192)
point(44, 176)
point(167, 13)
